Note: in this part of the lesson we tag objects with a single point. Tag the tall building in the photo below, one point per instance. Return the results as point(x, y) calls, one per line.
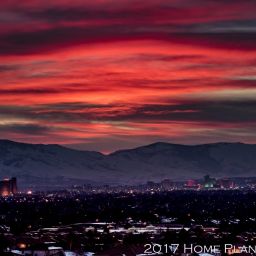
point(166, 184)
point(209, 182)
point(191, 184)
point(226, 183)
point(13, 184)
point(8, 187)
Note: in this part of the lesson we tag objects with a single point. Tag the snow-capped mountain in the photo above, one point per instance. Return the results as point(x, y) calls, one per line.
point(37, 163)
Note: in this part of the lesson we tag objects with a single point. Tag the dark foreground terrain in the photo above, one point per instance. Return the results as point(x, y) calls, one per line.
point(122, 223)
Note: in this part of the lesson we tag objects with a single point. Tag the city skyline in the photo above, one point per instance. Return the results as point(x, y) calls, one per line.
point(111, 75)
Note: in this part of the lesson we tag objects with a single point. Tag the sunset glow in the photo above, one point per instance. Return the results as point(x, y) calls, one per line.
point(117, 74)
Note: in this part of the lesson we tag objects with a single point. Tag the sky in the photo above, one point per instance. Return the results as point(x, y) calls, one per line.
point(111, 74)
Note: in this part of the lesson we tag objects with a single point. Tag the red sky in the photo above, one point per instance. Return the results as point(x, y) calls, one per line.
point(107, 74)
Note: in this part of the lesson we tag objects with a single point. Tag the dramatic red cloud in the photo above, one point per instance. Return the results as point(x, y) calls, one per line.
point(115, 74)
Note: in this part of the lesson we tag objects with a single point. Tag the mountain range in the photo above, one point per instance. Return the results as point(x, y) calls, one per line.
point(37, 164)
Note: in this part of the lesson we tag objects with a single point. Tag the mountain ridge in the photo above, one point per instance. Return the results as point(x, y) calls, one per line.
point(156, 161)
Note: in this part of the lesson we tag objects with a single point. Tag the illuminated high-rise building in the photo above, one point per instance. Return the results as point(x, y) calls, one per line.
point(226, 183)
point(209, 182)
point(14, 185)
point(8, 187)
